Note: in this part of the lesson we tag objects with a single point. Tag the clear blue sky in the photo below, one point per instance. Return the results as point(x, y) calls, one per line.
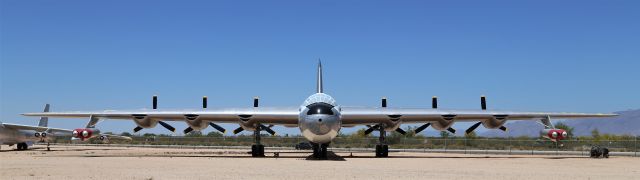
point(524, 55)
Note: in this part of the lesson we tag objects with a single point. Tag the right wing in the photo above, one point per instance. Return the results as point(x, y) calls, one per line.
point(275, 116)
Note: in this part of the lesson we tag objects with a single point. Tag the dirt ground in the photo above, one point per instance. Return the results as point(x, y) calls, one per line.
point(72, 162)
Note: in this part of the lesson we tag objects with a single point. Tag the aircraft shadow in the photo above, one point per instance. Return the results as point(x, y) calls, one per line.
point(331, 156)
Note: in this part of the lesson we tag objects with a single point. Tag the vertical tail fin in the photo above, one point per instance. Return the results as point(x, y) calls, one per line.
point(44, 121)
point(319, 77)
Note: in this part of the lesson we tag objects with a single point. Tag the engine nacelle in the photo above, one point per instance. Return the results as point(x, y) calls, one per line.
point(195, 122)
point(555, 134)
point(496, 122)
point(41, 135)
point(393, 123)
point(445, 123)
point(144, 121)
point(84, 134)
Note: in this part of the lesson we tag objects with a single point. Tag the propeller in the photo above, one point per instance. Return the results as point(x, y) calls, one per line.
point(138, 128)
point(164, 124)
point(483, 105)
point(401, 131)
point(215, 126)
point(434, 105)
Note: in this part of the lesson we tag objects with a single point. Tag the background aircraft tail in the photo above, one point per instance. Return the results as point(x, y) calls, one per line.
point(44, 121)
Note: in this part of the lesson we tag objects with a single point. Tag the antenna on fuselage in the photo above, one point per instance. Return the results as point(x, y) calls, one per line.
point(319, 76)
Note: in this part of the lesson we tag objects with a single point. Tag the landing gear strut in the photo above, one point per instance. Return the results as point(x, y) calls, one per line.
point(257, 150)
point(382, 150)
point(320, 150)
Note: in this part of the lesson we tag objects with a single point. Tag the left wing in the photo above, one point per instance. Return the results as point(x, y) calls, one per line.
point(366, 116)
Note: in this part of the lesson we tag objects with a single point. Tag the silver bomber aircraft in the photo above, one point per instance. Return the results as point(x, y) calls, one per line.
point(320, 118)
point(24, 135)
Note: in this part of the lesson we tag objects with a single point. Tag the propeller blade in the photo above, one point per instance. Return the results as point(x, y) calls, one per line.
point(503, 128)
point(188, 130)
point(453, 131)
point(483, 102)
point(401, 131)
point(473, 127)
point(268, 129)
point(384, 102)
point(256, 101)
point(204, 102)
point(236, 131)
point(155, 102)
point(421, 128)
point(434, 102)
point(371, 129)
point(215, 126)
point(169, 127)
point(138, 128)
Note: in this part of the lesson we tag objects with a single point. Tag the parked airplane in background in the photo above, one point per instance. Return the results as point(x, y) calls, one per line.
point(320, 118)
point(25, 135)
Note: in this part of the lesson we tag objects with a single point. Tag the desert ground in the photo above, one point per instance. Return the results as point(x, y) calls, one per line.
point(79, 162)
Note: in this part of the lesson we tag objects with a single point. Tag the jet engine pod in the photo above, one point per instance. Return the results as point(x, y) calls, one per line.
point(556, 134)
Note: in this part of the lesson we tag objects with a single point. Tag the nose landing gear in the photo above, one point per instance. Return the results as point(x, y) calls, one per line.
point(319, 150)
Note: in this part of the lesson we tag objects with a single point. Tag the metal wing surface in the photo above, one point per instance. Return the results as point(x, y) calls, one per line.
point(276, 116)
point(363, 116)
point(36, 128)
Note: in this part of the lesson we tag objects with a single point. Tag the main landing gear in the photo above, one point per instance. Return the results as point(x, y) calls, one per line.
point(22, 146)
point(257, 150)
point(319, 150)
point(382, 150)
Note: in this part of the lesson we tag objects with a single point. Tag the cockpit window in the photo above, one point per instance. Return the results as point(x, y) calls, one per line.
point(320, 108)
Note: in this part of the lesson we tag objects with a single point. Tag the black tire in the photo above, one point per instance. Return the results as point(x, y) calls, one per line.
point(316, 150)
point(605, 152)
point(379, 151)
point(385, 150)
point(22, 146)
point(260, 150)
point(254, 151)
